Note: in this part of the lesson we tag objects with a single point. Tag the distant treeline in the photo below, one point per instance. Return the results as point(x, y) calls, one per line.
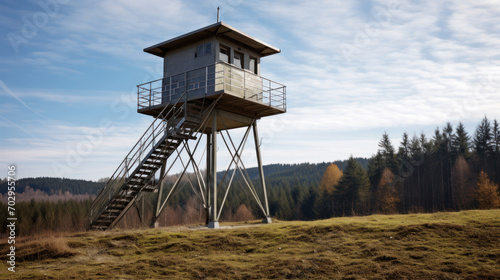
point(56, 204)
point(35, 217)
point(52, 186)
point(447, 171)
point(48, 204)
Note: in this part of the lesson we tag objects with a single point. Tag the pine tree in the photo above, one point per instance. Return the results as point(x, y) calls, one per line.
point(482, 138)
point(388, 152)
point(496, 146)
point(417, 161)
point(375, 167)
point(448, 137)
point(404, 148)
point(495, 135)
point(461, 141)
point(352, 192)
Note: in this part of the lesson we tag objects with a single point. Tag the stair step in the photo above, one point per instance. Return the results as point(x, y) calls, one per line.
point(106, 219)
point(112, 210)
point(97, 227)
point(157, 157)
point(116, 207)
point(120, 201)
point(152, 164)
point(164, 151)
point(139, 175)
point(153, 160)
point(146, 170)
point(135, 181)
point(184, 136)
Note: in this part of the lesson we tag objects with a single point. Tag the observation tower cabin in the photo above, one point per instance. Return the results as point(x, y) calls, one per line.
point(217, 62)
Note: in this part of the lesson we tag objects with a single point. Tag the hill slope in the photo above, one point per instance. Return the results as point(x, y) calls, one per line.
point(418, 246)
point(52, 186)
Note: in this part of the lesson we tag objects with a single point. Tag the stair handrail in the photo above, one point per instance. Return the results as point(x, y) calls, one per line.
point(113, 185)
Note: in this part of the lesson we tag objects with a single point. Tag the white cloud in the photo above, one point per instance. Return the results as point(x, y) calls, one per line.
point(416, 64)
point(403, 75)
point(75, 150)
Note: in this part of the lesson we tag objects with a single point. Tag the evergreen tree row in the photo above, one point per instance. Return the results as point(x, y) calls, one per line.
point(439, 173)
point(51, 185)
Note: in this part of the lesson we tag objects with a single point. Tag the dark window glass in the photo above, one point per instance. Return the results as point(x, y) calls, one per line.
point(224, 54)
point(253, 65)
point(238, 59)
point(200, 51)
point(208, 48)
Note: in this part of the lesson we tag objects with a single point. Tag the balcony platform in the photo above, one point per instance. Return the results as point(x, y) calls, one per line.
point(242, 95)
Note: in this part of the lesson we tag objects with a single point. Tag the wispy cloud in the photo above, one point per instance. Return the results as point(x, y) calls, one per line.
point(81, 149)
point(9, 122)
point(349, 67)
point(11, 93)
point(405, 73)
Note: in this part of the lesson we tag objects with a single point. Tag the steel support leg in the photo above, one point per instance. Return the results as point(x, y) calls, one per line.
point(155, 223)
point(214, 222)
point(267, 219)
point(207, 185)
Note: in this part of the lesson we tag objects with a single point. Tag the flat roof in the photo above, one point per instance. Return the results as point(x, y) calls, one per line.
point(218, 29)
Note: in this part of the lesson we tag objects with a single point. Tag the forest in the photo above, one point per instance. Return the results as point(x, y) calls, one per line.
point(450, 170)
point(447, 171)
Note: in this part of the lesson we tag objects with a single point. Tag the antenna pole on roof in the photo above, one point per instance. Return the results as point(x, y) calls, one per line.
point(218, 15)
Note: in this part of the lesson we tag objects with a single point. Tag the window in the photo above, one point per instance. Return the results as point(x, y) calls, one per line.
point(225, 54)
point(253, 65)
point(208, 48)
point(203, 49)
point(238, 59)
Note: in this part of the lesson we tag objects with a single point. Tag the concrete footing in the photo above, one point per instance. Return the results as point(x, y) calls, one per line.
point(213, 225)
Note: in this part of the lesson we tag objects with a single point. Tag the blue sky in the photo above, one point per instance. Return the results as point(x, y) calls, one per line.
point(353, 69)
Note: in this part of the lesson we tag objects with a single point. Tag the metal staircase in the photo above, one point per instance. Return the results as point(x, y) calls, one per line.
point(136, 173)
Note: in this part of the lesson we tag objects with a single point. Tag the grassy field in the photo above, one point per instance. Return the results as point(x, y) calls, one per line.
point(462, 245)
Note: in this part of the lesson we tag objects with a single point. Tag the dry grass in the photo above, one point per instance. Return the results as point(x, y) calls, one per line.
point(462, 245)
point(47, 246)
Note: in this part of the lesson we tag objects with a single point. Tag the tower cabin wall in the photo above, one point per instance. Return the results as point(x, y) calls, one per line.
point(194, 65)
point(249, 56)
point(216, 62)
point(189, 57)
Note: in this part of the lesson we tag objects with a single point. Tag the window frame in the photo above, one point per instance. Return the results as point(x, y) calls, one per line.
point(254, 64)
point(226, 48)
point(242, 59)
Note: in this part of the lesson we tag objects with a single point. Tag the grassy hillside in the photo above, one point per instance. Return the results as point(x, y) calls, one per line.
point(462, 245)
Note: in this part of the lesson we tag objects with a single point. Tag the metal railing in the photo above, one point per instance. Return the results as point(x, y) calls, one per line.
point(209, 80)
point(153, 135)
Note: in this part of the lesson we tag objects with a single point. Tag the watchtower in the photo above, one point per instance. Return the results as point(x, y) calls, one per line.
point(211, 85)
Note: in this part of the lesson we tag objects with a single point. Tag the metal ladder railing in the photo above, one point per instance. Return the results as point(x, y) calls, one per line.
point(149, 141)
